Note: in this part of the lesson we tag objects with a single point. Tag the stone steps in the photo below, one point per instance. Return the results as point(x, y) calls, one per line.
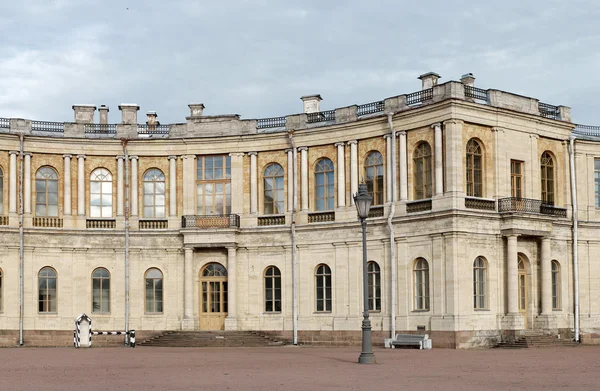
point(211, 339)
point(538, 340)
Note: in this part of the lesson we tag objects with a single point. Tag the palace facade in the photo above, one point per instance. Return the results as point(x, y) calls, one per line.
point(227, 223)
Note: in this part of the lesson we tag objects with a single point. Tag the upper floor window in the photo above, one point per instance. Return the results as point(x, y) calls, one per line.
point(46, 192)
point(273, 197)
point(154, 193)
point(101, 193)
point(213, 185)
point(421, 284)
point(272, 289)
point(479, 283)
point(47, 279)
point(374, 285)
point(474, 169)
point(154, 291)
point(374, 176)
point(422, 171)
point(597, 181)
point(1, 191)
point(547, 166)
point(516, 178)
point(101, 290)
point(324, 185)
point(323, 288)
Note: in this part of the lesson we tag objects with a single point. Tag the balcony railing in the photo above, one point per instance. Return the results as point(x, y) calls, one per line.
point(4, 123)
point(476, 93)
point(587, 130)
point(418, 206)
point(48, 222)
point(210, 221)
point(154, 224)
point(480, 203)
point(275, 122)
point(271, 220)
point(549, 111)
point(101, 128)
point(376, 211)
point(152, 129)
point(322, 116)
point(370, 108)
point(45, 126)
point(419, 96)
point(100, 223)
point(321, 217)
point(528, 205)
point(3, 220)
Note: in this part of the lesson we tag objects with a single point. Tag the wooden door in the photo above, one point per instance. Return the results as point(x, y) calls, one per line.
point(523, 294)
point(213, 297)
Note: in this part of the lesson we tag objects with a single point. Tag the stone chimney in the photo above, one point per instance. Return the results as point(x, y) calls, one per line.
point(152, 118)
point(196, 109)
point(429, 80)
point(129, 113)
point(84, 114)
point(103, 110)
point(312, 103)
point(468, 79)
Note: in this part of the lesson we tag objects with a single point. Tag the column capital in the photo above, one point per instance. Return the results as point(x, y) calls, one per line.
point(133, 157)
point(401, 133)
point(436, 125)
point(288, 150)
point(188, 156)
point(533, 135)
point(28, 154)
point(352, 142)
point(252, 153)
point(231, 247)
point(387, 136)
point(340, 144)
point(67, 156)
point(13, 152)
point(81, 156)
point(120, 157)
point(302, 148)
point(188, 249)
point(171, 157)
point(454, 122)
point(238, 154)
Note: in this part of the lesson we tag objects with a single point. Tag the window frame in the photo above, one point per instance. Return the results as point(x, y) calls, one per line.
point(153, 182)
point(421, 286)
point(275, 293)
point(474, 157)
point(1, 191)
point(45, 180)
point(162, 290)
point(547, 178)
point(422, 171)
point(375, 184)
point(276, 184)
point(101, 279)
point(55, 277)
point(107, 174)
point(374, 286)
point(556, 285)
point(480, 284)
point(205, 181)
point(323, 277)
point(326, 169)
point(516, 178)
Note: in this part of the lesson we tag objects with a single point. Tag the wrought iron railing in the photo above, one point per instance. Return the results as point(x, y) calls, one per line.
point(152, 129)
point(154, 224)
point(321, 217)
point(549, 111)
point(376, 211)
point(271, 220)
point(321, 116)
point(275, 122)
point(553, 210)
point(370, 108)
point(419, 96)
point(4, 123)
point(476, 93)
point(48, 222)
point(101, 128)
point(45, 126)
point(210, 221)
point(100, 223)
point(587, 130)
point(3, 220)
point(528, 205)
point(418, 206)
point(480, 203)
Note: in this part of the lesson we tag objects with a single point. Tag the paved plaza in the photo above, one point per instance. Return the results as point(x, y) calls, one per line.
point(297, 368)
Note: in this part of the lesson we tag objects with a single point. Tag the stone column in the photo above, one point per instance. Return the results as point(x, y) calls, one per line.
point(189, 184)
point(512, 273)
point(253, 184)
point(546, 273)
point(188, 281)
point(388, 167)
point(120, 160)
point(12, 201)
point(454, 155)
point(304, 177)
point(237, 182)
point(290, 179)
point(80, 185)
point(134, 186)
point(439, 162)
point(231, 282)
point(403, 167)
point(172, 185)
point(353, 170)
point(341, 175)
point(67, 186)
point(27, 184)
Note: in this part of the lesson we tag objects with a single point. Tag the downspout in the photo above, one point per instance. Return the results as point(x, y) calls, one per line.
point(21, 242)
point(124, 142)
point(293, 230)
point(391, 229)
point(575, 237)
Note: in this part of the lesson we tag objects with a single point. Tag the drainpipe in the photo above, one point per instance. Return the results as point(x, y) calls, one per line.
point(575, 237)
point(293, 231)
point(124, 142)
point(21, 242)
point(391, 229)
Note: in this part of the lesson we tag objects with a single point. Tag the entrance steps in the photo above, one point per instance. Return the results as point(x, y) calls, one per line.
point(206, 339)
point(535, 339)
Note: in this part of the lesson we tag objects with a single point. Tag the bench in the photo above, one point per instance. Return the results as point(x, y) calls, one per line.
point(410, 340)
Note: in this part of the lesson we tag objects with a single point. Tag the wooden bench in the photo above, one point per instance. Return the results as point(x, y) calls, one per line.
point(411, 341)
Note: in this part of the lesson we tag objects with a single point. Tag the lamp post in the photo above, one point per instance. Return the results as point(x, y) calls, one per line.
point(363, 200)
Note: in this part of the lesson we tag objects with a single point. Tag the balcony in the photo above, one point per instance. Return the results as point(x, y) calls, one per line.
point(321, 217)
point(100, 223)
point(154, 224)
point(528, 205)
point(376, 211)
point(210, 221)
point(480, 203)
point(418, 206)
point(48, 222)
point(271, 220)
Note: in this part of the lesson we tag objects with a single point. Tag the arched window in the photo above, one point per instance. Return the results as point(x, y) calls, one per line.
point(324, 185)
point(323, 288)
point(374, 177)
point(421, 283)
point(374, 285)
point(474, 169)
point(547, 166)
point(101, 193)
point(1, 289)
point(1, 191)
point(154, 291)
point(479, 283)
point(46, 192)
point(273, 198)
point(214, 270)
point(422, 171)
point(272, 289)
point(555, 285)
point(100, 290)
point(47, 283)
point(154, 193)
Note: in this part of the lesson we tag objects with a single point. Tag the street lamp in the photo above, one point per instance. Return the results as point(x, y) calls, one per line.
point(363, 200)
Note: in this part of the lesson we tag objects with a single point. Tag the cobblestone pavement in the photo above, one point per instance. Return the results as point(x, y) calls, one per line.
point(297, 368)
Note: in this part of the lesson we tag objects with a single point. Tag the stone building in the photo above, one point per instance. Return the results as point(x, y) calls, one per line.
point(227, 223)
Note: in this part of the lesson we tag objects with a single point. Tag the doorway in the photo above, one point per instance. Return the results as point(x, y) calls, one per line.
point(523, 291)
point(213, 297)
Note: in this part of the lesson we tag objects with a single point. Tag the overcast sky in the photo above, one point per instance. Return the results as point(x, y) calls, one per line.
point(257, 57)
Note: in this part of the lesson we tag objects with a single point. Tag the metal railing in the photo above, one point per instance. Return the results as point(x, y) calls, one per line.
point(476, 93)
point(370, 108)
point(3, 220)
point(4, 123)
point(101, 128)
point(152, 129)
point(210, 221)
point(100, 223)
point(587, 130)
point(45, 126)
point(480, 203)
point(321, 116)
point(418, 206)
point(376, 211)
point(528, 205)
point(548, 111)
point(48, 222)
point(274, 122)
point(419, 96)
point(271, 220)
point(154, 224)
point(321, 217)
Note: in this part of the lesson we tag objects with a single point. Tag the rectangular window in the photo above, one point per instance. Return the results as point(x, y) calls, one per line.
point(516, 178)
point(597, 181)
point(213, 185)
